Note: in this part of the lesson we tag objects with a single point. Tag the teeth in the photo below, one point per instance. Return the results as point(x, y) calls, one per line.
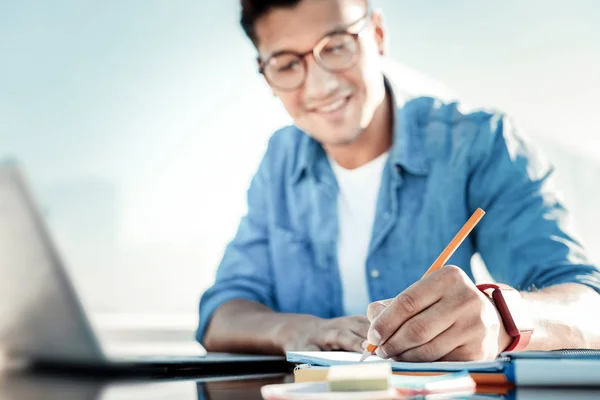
point(331, 107)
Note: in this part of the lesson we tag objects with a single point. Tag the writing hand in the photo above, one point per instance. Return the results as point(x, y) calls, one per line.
point(443, 317)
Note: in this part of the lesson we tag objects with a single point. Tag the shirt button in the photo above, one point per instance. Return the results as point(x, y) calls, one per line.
point(374, 273)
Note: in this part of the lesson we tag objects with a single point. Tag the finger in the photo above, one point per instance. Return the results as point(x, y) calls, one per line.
point(463, 341)
point(302, 347)
point(421, 329)
point(356, 344)
point(435, 349)
point(310, 347)
point(351, 342)
point(341, 339)
point(407, 304)
point(360, 326)
point(375, 308)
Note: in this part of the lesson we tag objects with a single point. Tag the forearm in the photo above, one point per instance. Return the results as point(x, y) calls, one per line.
point(563, 317)
point(244, 326)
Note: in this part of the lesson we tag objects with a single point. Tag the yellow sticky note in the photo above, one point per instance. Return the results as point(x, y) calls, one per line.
point(359, 377)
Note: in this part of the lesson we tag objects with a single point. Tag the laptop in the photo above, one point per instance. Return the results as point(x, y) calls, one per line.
point(42, 320)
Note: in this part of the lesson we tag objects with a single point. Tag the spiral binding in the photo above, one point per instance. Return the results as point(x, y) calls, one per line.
point(301, 366)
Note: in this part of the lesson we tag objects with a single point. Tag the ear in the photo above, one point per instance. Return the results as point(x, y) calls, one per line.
point(380, 32)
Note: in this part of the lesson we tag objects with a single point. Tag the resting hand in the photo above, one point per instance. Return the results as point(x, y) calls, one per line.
point(344, 333)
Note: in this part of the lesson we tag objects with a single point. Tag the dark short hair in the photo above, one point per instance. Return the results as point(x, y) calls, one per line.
point(252, 10)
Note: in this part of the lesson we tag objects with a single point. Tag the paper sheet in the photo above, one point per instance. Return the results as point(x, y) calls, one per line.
point(328, 358)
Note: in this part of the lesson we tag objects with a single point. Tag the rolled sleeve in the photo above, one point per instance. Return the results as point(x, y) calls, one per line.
point(244, 271)
point(524, 239)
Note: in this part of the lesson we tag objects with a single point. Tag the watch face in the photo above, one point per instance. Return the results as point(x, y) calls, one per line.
point(510, 306)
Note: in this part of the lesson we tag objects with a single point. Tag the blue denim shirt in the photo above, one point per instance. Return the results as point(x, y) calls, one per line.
point(444, 163)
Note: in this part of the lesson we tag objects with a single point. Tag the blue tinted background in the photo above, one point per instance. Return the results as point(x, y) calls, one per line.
point(140, 122)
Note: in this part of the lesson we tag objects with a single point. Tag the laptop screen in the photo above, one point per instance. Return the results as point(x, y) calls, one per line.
point(41, 317)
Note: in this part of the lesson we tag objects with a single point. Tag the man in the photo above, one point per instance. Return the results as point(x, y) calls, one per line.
point(352, 203)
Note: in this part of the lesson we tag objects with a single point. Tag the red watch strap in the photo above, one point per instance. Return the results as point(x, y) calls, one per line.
point(485, 286)
point(521, 340)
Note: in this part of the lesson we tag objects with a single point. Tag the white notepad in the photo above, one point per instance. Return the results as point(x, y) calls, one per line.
point(328, 358)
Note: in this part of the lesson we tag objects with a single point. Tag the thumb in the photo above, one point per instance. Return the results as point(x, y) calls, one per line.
point(376, 308)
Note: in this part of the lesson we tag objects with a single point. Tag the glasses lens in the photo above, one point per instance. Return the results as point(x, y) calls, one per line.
point(285, 71)
point(338, 51)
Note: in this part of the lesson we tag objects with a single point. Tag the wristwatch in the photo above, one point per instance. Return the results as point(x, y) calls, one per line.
point(517, 323)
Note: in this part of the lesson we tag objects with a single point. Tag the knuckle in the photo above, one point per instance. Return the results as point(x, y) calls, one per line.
point(465, 303)
point(406, 303)
point(454, 274)
point(472, 295)
point(416, 331)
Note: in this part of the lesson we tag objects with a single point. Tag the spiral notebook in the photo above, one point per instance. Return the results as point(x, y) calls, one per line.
point(329, 358)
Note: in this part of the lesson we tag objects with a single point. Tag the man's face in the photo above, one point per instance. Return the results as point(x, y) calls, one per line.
point(332, 107)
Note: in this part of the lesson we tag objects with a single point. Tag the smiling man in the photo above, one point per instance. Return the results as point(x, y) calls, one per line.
point(353, 202)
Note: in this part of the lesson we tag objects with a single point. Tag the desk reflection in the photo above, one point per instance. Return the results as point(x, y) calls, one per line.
point(240, 389)
point(556, 393)
point(44, 387)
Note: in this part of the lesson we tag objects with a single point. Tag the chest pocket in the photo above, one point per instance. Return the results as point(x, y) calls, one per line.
point(293, 266)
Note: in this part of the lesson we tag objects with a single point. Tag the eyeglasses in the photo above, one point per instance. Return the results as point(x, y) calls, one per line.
point(335, 52)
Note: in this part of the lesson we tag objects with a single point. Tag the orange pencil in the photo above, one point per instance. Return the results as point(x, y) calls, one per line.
point(442, 258)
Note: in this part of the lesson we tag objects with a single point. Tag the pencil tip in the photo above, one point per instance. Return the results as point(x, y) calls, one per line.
point(364, 356)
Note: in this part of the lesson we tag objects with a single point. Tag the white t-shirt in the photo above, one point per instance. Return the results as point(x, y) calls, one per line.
point(357, 202)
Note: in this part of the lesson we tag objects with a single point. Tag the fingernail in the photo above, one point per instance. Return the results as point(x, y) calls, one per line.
point(374, 337)
point(364, 344)
point(381, 353)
